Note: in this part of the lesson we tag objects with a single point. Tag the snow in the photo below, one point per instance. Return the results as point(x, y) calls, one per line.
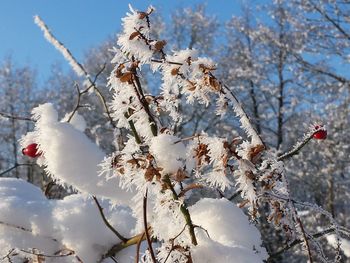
point(229, 228)
point(168, 151)
point(51, 225)
point(77, 121)
point(345, 244)
point(71, 158)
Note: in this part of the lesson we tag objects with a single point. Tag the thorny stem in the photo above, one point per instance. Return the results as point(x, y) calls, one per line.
point(148, 238)
point(184, 211)
point(124, 239)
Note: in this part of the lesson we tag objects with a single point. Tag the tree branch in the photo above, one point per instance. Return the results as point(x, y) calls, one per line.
point(100, 208)
point(20, 118)
point(300, 241)
point(15, 166)
point(298, 146)
point(148, 238)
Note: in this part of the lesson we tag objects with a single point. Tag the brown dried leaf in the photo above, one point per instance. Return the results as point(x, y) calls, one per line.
point(202, 151)
point(242, 204)
point(175, 71)
point(214, 83)
point(180, 175)
point(278, 218)
point(142, 15)
point(118, 72)
point(159, 45)
point(135, 162)
point(151, 172)
point(126, 77)
point(115, 161)
point(255, 151)
point(250, 175)
point(133, 35)
point(191, 85)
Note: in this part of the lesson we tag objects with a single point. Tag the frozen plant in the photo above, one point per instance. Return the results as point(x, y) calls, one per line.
point(133, 205)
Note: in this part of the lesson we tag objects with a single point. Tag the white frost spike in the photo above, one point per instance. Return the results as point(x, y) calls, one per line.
point(244, 119)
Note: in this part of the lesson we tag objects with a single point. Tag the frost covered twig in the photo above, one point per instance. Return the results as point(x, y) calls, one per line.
point(76, 66)
point(7, 256)
point(56, 255)
point(25, 230)
point(299, 145)
point(305, 238)
point(80, 93)
point(300, 241)
point(184, 211)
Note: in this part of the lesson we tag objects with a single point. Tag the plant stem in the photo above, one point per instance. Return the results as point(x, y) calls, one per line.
point(184, 211)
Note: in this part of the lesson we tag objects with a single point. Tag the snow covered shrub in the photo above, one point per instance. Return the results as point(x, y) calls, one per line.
point(133, 205)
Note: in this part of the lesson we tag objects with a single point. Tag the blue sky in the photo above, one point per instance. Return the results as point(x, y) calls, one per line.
point(79, 24)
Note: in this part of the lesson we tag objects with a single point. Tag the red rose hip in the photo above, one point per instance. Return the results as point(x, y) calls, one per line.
point(321, 134)
point(31, 150)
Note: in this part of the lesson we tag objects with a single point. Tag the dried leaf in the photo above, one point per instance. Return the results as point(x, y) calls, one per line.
point(242, 204)
point(175, 71)
point(151, 172)
point(159, 45)
point(202, 151)
point(191, 86)
point(250, 175)
point(115, 161)
point(180, 175)
point(214, 83)
point(142, 15)
point(133, 35)
point(126, 77)
point(255, 151)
